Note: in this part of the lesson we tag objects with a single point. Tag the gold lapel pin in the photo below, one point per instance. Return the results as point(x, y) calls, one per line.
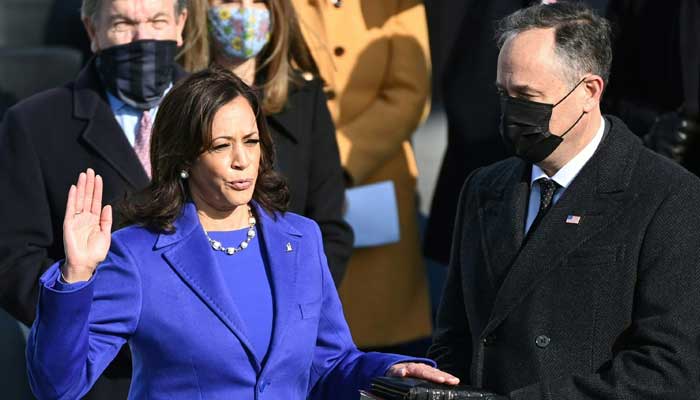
point(289, 247)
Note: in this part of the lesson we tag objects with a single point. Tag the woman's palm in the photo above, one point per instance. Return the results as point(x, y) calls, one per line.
point(86, 227)
point(86, 244)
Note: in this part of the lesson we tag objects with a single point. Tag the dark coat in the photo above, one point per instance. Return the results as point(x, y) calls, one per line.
point(307, 155)
point(45, 142)
point(608, 308)
point(464, 57)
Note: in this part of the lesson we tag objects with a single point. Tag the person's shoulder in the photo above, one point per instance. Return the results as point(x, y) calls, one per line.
point(660, 173)
point(303, 225)
point(135, 237)
point(653, 173)
point(49, 100)
point(497, 174)
point(304, 83)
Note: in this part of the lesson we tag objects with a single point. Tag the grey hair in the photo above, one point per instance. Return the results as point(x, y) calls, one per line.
point(582, 37)
point(89, 8)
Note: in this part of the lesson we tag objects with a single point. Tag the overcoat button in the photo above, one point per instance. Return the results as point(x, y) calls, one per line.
point(542, 341)
point(489, 340)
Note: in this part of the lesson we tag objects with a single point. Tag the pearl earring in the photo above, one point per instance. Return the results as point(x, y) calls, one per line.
point(184, 174)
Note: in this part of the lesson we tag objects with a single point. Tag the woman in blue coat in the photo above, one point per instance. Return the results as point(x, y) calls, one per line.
point(219, 293)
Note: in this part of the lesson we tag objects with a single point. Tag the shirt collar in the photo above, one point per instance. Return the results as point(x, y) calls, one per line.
point(568, 172)
point(114, 103)
point(117, 105)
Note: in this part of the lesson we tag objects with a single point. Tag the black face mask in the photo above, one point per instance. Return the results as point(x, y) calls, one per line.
point(138, 72)
point(525, 127)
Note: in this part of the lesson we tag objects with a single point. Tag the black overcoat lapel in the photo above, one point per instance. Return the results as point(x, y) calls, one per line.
point(597, 195)
point(102, 134)
point(502, 207)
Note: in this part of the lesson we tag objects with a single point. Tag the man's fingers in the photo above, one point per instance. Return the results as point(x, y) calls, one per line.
point(106, 219)
point(97, 196)
point(80, 195)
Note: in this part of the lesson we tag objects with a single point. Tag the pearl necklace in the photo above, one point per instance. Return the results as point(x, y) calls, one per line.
point(217, 246)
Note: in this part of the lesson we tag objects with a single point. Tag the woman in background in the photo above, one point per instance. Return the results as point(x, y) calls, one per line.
point(260, 41)
point(374, 59)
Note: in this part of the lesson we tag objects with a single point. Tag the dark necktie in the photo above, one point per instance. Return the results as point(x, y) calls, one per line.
point(547, 190)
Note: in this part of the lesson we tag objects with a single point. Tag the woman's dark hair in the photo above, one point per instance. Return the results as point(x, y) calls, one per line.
point(181, 132)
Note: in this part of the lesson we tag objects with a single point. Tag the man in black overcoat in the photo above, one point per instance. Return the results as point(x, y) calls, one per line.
point(464, 68)
point(94, 121)
point(575, 267)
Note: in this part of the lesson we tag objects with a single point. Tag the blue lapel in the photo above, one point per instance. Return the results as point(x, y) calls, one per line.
point(193, 261)
point(281, 245)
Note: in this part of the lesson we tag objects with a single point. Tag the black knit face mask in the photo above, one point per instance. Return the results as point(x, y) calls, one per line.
point(525, 127)
point(138, 72)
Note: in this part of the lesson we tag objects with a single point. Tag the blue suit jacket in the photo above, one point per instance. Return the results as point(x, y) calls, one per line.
point(163, 294)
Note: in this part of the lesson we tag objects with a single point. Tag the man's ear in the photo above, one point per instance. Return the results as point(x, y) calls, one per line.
point(180, 26)
point(594, 86)
point(91, 31)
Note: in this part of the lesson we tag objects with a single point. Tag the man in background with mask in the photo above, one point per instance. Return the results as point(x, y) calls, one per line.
point(101, 120)
point(576, 265)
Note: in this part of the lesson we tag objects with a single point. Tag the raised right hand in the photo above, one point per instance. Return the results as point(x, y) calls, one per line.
point(86, 228)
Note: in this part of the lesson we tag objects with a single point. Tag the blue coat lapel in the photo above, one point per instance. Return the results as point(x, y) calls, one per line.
point(192, 259)
point(281, 244)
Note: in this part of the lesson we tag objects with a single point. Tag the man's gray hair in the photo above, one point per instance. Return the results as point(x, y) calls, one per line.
point(90, 8)
point(582, 38)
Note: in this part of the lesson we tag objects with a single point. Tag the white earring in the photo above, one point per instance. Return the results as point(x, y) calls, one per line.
point(184, 174)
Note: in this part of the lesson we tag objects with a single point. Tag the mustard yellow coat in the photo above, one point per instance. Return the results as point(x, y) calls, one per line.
point(374, 57)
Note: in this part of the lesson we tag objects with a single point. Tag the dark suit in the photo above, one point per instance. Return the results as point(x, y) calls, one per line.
point(608, 308)
point(45, 142)
point(464, 57)
point(307, 155)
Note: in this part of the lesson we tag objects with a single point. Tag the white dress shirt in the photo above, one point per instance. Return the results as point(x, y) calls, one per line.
point(563, 177)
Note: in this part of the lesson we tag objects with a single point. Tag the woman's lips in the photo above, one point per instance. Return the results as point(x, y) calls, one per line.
point(241, 184)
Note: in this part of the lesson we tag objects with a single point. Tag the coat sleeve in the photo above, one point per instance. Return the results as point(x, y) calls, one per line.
point(327, 189)
point(26, 231)
point(452, 341)
point(378, 133)
point(338, 368)
point(658, 355)
point(80, 328)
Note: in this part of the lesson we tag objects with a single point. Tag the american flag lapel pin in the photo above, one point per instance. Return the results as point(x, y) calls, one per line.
point(573, 219)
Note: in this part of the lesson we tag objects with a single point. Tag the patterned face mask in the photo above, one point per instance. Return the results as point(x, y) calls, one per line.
point(241, 32)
